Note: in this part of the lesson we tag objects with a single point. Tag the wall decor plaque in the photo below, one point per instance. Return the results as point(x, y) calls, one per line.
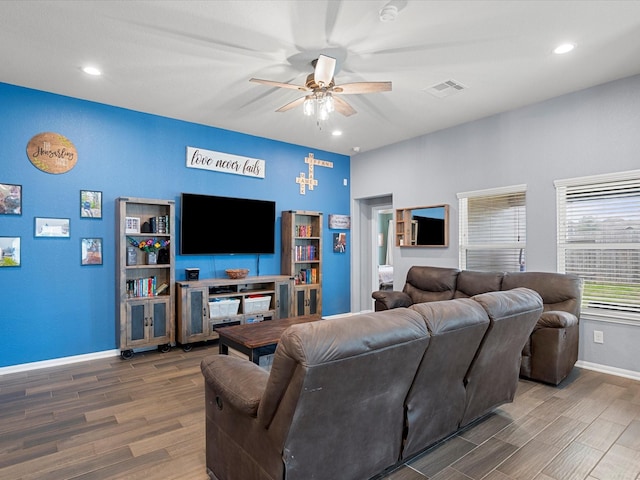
point(52, 152)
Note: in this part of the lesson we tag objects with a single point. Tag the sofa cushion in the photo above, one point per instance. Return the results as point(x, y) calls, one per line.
point(429, 284)
point(472, 283)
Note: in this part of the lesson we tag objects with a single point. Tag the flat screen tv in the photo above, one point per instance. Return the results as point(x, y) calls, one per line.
point(212, 225)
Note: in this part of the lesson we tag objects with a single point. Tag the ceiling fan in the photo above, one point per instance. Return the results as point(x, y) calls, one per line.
point(322, 94)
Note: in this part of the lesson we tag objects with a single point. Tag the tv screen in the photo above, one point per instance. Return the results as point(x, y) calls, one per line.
point(226, 225)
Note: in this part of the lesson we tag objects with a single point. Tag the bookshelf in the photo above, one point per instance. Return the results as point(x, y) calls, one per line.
point(145, 283)
point(302, 259)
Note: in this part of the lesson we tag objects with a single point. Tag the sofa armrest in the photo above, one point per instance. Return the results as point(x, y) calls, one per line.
point(392, 299)
point(238, 382)
point(556, 319)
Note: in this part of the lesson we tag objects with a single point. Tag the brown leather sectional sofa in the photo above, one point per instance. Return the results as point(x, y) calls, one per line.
point(552, 349)
point(348, 398)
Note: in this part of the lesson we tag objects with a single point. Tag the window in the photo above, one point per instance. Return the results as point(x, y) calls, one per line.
point(599, 240)
point(493, 229)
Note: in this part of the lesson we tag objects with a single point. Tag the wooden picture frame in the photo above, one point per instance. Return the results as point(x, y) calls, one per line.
point(90, 204)
point(10, 199)
point(52, 227)
point(91, 251)
point(9, 251)
point(131, 225)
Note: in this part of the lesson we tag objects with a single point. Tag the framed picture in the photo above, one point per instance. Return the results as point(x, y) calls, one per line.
point(9, 251)
point(91, 249)
point(10, 199)
point(52, 227)
point(339, 242)
point(132, 225)
point(90, 204)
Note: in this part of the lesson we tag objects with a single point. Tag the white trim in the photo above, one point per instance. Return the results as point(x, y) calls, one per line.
point(618, 372)
point(25, 367)
point(606, 177)
point(493, 191)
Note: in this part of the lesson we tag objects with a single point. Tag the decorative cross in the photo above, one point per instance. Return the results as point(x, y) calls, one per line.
point(310, 181)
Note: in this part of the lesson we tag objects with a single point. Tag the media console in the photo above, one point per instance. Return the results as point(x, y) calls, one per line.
point(204, 305)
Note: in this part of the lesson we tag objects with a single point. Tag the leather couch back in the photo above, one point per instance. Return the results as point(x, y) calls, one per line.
point(429, 284)
point(472, 283)
point(436, 402)
point(558, 291)
point(371, 359)
point(493, 377)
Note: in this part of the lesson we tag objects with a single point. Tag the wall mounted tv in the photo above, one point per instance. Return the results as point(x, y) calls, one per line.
point(212, 225)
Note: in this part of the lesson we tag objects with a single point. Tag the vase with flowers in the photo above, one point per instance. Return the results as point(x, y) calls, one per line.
point(150, 246)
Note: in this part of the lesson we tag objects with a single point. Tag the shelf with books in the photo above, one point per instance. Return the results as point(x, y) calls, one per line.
point(302, 258)
point(145, 273)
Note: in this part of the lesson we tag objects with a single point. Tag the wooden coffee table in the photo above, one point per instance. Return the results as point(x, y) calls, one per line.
point(257, 339)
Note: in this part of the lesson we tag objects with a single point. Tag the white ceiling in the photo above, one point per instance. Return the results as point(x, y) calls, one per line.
point(192, 60)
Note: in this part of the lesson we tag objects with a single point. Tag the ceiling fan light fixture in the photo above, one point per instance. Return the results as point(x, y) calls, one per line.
point(329, 106)
point(324, 68)
point(308, 107)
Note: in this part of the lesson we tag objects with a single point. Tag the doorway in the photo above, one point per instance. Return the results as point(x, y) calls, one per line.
point(370, 220)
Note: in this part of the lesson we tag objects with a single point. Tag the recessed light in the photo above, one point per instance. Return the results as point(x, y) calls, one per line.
point(336, 133)
point(564, 48)
point(92, 71)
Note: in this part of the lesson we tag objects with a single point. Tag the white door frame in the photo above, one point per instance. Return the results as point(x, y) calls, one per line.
point(364, 266)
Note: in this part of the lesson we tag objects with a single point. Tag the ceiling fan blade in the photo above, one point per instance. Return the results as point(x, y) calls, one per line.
point(290, 105)
point(343, 107)
point(362, 87)
point(279, 84)
point(325, 67)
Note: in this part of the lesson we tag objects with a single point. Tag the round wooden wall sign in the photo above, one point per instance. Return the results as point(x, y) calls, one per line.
point(52, 152)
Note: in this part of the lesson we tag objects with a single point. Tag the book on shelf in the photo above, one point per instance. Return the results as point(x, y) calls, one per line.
point(159, 224)
point(307, 276)
point(305, 253)
point(304, 231)
point(144, 287)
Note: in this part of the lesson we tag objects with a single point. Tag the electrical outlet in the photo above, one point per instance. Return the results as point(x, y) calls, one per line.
point(598, 336)
point(344, 182)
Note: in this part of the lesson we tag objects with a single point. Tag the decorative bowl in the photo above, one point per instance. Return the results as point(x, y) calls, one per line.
point(237, 272)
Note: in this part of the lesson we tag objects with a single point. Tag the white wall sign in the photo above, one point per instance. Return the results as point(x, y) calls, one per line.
point(224, 162)
point(339, 221)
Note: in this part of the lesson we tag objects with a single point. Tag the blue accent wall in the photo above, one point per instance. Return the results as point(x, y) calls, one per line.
point(51, 306)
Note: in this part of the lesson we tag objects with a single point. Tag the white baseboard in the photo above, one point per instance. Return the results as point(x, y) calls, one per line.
point(24, 367)
point(619, 372)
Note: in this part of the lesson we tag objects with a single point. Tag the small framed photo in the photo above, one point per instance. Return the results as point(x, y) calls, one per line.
point(91, 249)
point(339, 242)
point(132, 225)
point(9, 251)
point(52, 227)
point(10, 199)
point(90, 204)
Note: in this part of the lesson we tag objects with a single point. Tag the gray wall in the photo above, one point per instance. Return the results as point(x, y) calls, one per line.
point(590, 132)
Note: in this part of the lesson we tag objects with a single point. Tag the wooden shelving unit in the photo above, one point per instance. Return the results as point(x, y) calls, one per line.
point(145, 303)
point(302, 259)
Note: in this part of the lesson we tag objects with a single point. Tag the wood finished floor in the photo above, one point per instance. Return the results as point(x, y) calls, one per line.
point(144, 419)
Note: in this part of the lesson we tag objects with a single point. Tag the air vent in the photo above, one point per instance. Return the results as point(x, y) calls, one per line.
point(445, 89)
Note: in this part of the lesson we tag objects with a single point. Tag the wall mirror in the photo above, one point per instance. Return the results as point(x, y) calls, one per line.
point(426, 226)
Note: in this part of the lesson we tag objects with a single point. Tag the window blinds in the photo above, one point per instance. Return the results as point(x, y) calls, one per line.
point(493, 229)
point(599, 240)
